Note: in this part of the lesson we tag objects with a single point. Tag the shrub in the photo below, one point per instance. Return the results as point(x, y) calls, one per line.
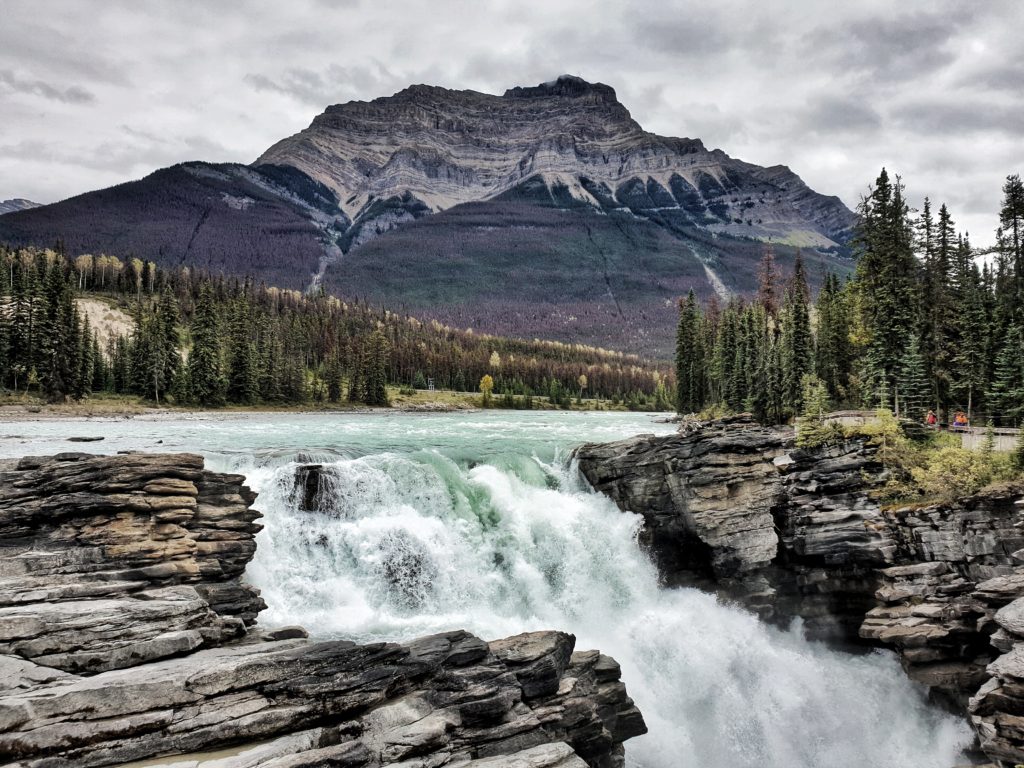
point(811, 429)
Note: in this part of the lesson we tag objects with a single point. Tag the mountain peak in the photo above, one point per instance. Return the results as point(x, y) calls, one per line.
point(571, 86)
point(16, 204)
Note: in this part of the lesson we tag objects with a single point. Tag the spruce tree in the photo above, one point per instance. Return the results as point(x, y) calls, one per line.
point(811, 430)
point(242, 373)
point(357, 377)
point(913, 388)
point(886, 279)
point(971, 329)
point(333, 375)
point(166, 342)
point(833, 356)
point(206, 373)
point(689, 358)
point(83, 373)
point(767, 277)
point(1005, 397)
point(767, 396)
point(375, 366)
point(797, 353)
point(1011, 219)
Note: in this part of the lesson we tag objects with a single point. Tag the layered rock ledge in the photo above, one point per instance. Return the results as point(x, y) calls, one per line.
point(737, 508)
point(127, 634)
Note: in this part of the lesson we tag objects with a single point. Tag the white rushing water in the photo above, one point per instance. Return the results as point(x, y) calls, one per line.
point(476, 522)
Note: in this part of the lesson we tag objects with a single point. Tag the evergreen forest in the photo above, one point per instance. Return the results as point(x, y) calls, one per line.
point(926, 323)
point(205, 340)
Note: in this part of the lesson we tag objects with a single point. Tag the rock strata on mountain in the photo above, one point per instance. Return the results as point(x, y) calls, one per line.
point(567, 140)
point(127, 634)
point(736, 508)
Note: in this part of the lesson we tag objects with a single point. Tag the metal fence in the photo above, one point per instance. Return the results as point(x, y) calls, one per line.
point(1004, 438)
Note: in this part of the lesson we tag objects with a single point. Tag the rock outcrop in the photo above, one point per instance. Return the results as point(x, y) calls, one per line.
point(127, 633)
point(739, 509)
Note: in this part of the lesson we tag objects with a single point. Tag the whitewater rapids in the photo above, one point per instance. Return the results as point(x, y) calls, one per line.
point(414, 544)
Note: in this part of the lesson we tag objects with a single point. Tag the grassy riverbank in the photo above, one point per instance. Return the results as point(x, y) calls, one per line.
point(26, 407)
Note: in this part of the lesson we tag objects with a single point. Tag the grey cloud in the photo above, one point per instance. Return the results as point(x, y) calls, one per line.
point(894, 48)
point(961, 117)
point(71, 95)
point(122, 157)
point(841, 114)
point(1007, 77)
point(693, 36)
point(322, 88)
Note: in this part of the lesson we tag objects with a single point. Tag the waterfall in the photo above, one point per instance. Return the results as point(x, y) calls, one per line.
point(405, 544)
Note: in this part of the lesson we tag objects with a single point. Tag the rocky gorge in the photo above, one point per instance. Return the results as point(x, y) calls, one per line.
point(738, 509)
point(128, 636)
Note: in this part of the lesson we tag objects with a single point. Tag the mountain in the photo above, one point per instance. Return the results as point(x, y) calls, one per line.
point(569, 141)
point(16, 204)
point(546, 211)
point(272, 223)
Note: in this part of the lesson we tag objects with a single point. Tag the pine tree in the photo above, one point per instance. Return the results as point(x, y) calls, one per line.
point(1011, 219)
point(689, 358)
point(333, 375)
point(1006, 394)
point(832, 354)
point(242, 373)
point(913, 389)
point(797, 353)
point(375, 366)
point(206, 375)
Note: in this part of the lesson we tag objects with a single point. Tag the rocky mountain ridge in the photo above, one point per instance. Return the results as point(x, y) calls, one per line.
point(128, 637)
point(568, 140)
point(736, 508)
point(545, 212)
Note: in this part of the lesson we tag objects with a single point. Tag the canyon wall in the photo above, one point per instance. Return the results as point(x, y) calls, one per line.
point(737, 508)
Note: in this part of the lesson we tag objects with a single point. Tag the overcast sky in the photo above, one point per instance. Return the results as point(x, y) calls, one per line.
point(96, 93)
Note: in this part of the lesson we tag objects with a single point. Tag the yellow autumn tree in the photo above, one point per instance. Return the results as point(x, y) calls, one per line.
point(487, 387)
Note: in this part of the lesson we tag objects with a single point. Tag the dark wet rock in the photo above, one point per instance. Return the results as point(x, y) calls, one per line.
point(127, 633)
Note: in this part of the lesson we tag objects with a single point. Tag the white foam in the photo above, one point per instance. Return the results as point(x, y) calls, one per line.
point(418, 544)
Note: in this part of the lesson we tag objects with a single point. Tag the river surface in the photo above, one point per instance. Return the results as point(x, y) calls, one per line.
point(478, 521)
